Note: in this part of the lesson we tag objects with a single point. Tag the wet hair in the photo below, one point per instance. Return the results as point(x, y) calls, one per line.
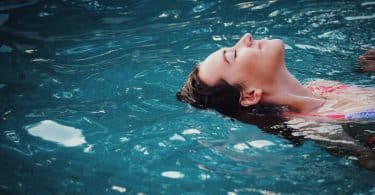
point(225, 99)
point(222, 96)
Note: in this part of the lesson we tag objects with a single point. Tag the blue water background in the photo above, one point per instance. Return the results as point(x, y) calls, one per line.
point(112, 68)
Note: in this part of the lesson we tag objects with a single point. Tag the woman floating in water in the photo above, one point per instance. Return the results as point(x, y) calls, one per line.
point(253, 72)
point(251, 75)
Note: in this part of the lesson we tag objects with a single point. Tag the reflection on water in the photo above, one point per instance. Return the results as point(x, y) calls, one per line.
point(52, 131)
point(3, 18)
point(8, 5)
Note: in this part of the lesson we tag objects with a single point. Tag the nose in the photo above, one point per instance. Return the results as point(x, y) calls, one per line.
point(246, 40)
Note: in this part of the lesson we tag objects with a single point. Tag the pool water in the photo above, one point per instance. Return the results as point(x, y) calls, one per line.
point(87, 97)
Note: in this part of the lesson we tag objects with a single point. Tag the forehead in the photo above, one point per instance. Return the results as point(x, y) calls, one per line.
point(210, 69)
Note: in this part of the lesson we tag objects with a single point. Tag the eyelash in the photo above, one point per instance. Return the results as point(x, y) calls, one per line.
point(235, 53)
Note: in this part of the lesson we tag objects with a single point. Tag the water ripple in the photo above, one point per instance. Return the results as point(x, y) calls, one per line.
point(9, 5)
point(3, 18)
point(113, 74)
point(360, 17)
point(202, 7)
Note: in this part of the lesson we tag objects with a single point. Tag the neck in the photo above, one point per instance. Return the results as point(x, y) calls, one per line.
point(286, 90)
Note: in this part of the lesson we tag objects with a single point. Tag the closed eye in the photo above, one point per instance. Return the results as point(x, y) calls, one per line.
point(225, 57)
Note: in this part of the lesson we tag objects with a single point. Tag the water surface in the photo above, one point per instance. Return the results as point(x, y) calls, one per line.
point(104, 74)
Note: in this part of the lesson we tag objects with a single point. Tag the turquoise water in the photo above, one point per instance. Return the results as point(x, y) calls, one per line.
point(87, 97)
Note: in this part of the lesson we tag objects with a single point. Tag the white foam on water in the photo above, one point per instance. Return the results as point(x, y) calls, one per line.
point(262, 6)
point(142, 149)
point(124, 139)
point(5, 49)
point(335, 34)
point(368, 3)
point(312, 47)
point(177, 137)
point(119, 189)
point(321, 138)
point(260, 143)
point(288, 46)
point(274, 13)
point(88, 149)
point(301, 125)
point(216, 38)
point(360, 17)
point(161, 144)
point(204, 177)
point(245, 5)
point(61, 134)
point(241, 146)
point(352, 158)
point(173, 174)
point(191, 131)
point(164, 15)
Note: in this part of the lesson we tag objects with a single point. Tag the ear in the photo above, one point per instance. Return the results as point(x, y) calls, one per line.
point(250, 97)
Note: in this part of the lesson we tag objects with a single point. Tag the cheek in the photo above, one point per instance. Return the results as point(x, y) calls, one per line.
point(256, 65)
point(249, 61)
point(232, 74)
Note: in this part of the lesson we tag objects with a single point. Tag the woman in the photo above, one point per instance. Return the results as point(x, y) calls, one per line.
point(253, 72)
point(252, 75)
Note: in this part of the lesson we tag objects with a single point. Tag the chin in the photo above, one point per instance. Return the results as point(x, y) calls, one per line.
point(276, 47)
point(277, 51)
point(274, 44)
point(278, 44)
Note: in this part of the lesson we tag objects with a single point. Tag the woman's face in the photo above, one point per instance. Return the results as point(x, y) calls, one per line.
point(249, 61)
